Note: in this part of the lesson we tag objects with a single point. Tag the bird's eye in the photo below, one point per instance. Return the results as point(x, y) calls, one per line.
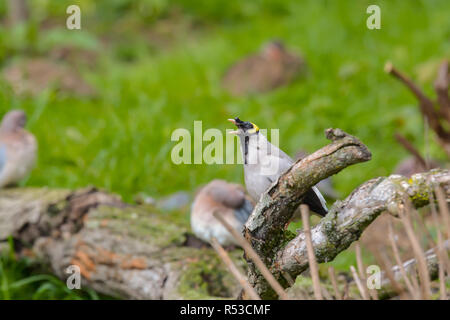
point(255, 127)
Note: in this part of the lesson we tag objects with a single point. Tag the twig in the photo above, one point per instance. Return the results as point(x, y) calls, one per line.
point(387, 288)
point(421, 229)
point(411, 149)
point(440, 250)
point(359, 284)
point(443, 208)
point(346, 291)
point(399, 262)
point(426, 107)
point(441, 87)
point(332, 276)
point(255, 257)
point(425, 286)
point(389, 68)
point(325, 293)
point(360, 266)
point(310, 249)
point(234, 270)
point(387, 267)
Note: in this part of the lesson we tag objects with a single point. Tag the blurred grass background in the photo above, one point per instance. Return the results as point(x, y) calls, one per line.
point(158, 68)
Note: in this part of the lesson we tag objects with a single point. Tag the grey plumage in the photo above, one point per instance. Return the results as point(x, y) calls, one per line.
point(18, 149)
point(264, 163)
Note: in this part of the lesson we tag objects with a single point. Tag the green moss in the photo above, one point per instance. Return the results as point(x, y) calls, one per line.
point(304, 285)
point(207, 278)
point(289, 235)
point(138, 223)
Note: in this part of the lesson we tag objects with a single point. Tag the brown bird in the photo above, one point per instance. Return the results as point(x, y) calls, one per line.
point(33, 76)
point(227, 199)
point(271, 68)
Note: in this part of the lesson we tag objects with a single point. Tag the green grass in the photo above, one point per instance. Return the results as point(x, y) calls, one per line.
point(121, 140)
point(16, 282)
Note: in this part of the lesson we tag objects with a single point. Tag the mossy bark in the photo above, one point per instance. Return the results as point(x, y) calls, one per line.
point(122, 250)
point(345, 221)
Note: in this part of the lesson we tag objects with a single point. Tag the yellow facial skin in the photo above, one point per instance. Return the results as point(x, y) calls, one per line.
point(255, 128)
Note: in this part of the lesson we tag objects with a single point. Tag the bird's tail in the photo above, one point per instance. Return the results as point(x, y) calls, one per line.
point(316, 202)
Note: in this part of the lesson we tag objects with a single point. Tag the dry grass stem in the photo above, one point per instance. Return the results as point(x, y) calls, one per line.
point(332, 276)
point(255, 258)
point(314, 270)
point(360, 286)
point(425, 286)
point(398, 260)
point(234, 270)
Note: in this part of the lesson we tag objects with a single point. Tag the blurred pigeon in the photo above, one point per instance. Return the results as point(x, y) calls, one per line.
point(18, 149)
point(412, 165)
point(273, 67)
point(227, 199)
point(32, 76)
point(175, 201)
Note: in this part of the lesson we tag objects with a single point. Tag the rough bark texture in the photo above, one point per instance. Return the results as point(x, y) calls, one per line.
point(265, 228)
point(122, 250)
point(347, 219)
point(343, 224)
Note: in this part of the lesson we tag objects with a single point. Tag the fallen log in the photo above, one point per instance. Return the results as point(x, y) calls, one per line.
point(121, 250)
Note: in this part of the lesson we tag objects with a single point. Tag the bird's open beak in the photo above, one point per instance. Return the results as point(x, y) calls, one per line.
point(235, 131)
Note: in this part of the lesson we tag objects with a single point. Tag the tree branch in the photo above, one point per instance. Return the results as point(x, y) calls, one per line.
point(441, 86)
point(346, 220)
point(411, 149)
point(277, 206)
point(427, 106)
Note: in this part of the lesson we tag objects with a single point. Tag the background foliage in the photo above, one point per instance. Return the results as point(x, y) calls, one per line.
point(159, 65)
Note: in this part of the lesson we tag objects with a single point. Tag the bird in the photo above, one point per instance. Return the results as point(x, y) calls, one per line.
point(30, 77)
point(18, 149)
point(227, 199)
point(411, 165)
point(264, 163)
point(271, 68)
